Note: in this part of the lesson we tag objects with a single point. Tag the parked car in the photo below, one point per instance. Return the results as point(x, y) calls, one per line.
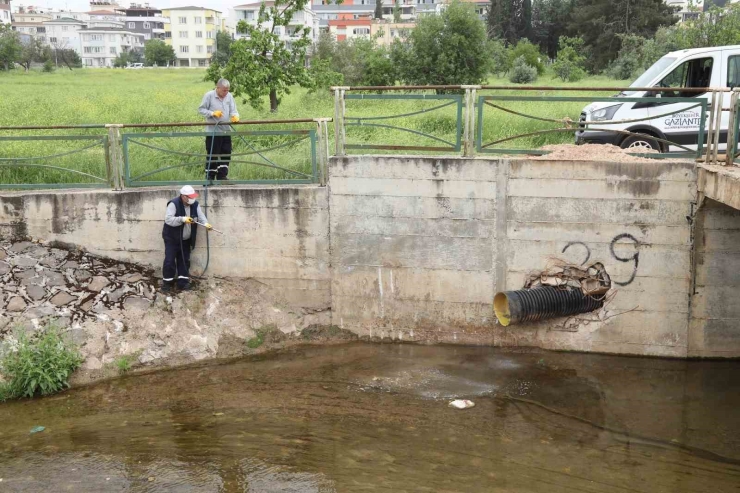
point(714, 67)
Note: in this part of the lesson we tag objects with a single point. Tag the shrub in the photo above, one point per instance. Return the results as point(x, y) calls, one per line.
point(48, 66)
point(123, 364)
point(569, 64)
point(531, 54)
point(522, 73)
point(38, 364)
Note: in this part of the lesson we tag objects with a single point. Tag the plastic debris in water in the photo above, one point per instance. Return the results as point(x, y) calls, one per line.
point(37, 429)
point(462, 404)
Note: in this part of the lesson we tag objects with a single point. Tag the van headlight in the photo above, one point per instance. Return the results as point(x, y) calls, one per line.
point(605, 114)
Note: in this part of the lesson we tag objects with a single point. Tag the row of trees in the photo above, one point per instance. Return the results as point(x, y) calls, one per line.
point(14, 51)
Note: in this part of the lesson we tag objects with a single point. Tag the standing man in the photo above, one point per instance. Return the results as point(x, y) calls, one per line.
point(179, 238)
point(218, 108)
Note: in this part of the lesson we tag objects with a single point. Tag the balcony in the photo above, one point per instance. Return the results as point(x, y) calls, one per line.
point(158, 31)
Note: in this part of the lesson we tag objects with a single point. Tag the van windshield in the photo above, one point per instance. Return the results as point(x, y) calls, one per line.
point(646, 79)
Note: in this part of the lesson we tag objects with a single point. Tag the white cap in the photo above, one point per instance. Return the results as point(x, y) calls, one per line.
point(188, 191)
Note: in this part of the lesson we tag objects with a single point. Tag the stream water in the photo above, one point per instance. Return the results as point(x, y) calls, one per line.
point(364, 417)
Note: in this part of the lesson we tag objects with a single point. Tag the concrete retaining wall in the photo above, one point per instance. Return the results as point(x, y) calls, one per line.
point(276, 235)
point(414, 248)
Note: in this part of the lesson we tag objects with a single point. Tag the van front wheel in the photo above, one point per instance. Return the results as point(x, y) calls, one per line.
point(637, 143)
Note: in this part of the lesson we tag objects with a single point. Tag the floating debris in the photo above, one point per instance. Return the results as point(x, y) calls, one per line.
point(462, 404)
point(37, 429)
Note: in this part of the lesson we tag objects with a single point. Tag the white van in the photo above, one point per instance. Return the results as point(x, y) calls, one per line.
point(714, 67)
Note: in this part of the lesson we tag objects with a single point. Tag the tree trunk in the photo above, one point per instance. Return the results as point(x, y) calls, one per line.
point(273, 101)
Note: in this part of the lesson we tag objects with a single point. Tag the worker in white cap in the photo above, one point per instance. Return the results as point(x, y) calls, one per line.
point(179, 238)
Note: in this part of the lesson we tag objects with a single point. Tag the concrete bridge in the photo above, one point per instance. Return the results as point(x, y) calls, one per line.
point(414, 248)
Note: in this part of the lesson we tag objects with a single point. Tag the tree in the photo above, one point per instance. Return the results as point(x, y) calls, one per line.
point(569, 63)
point(157, 52)
point(322, 76)
point(549, 22)
point(262, 64)
point(397, 11)
point(601, 23)
point(378, 9)
point(223, 48)
point(126, 58)
point(31, 51)
point(510, 20)
point(10, 46)
point(449, 48)
point(531, 54)
point(500, 60)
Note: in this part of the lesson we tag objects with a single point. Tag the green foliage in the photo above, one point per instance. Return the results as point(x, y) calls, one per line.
point(522, 72)
point(500, 60)
point(378, 13)
point(264, 65)
point(358, 60)
point(569, 63)
point(223, 48)
point(123, 363)
point(10, 46)
point(126, 58)
point(322, 76)
point(31, 51)
point(549, 22)
point(630, 62)
point(397, 11)
point(603, 23)
point(257, 340)
point(531, 54)
point(159, 53)
point(450, 48)
point(38, 364)
point(48, 66)
point(510, 20)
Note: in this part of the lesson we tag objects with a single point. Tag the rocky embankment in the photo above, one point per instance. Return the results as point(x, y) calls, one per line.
point(113, 310)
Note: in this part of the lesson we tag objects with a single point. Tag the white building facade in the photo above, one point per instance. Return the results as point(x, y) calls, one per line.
point(306, 18)
point(101, 46)
point(64, 34)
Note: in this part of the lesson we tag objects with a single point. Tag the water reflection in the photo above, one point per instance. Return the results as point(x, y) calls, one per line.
point(375, 417)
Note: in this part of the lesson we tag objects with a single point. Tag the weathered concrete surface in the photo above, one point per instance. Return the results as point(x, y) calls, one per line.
point(420, 246)
point(720, 183)
point(715, 312)
point(277, 235)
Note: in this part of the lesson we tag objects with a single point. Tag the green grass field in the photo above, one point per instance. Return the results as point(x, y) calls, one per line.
point(159, 96)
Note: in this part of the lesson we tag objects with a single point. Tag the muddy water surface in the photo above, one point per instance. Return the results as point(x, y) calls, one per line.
point(367, 417)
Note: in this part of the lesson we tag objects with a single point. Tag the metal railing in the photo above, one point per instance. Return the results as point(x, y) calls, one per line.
point(148, 156)
point(470, 120)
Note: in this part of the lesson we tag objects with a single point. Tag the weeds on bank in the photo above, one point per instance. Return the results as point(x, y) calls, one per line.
point(38, 364)
point(123, 364)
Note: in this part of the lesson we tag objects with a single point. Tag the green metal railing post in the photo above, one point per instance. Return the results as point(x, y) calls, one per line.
point(114, 156)
point(469, 122)
point(322, 132)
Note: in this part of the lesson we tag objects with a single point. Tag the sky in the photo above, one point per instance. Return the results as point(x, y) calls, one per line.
point(84, 6)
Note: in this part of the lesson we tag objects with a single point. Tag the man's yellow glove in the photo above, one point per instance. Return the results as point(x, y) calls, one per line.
point(234, 119)
point(217, 114)
point(187, 220)
point(208, 226)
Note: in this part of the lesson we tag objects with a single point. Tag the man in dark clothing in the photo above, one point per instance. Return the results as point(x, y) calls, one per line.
point(219, 108)
point(179, 238)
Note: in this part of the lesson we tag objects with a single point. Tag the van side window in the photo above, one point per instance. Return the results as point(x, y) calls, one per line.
point(733, 72)
point(692, 73)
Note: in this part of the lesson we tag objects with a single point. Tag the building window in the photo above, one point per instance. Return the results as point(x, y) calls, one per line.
point(201, 63)
point(132, 25)
point(183, 20)
point(96, 37)
point(147, 36)
point(209, 34)
point(198, 34)
point(147, 25)
point(198, 20)
point(209, 49)
point(184, 49)
point(64, 28)
point(199, 49)
point(88, 62)
point(113, 50)
point(360, 31)
point(52, 40)
point(183, 34)
point(249, 15)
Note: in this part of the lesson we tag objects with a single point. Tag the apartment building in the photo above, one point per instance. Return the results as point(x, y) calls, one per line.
point(101, 45)
point(385, 33)
point(145, 20)
point(5, 17)
point(306, 18)
point(345, 29)
point(31, 23)
point(191, 31)
point(64, 34)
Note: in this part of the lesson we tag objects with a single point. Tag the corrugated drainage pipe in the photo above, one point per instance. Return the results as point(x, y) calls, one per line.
point(531, 305)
